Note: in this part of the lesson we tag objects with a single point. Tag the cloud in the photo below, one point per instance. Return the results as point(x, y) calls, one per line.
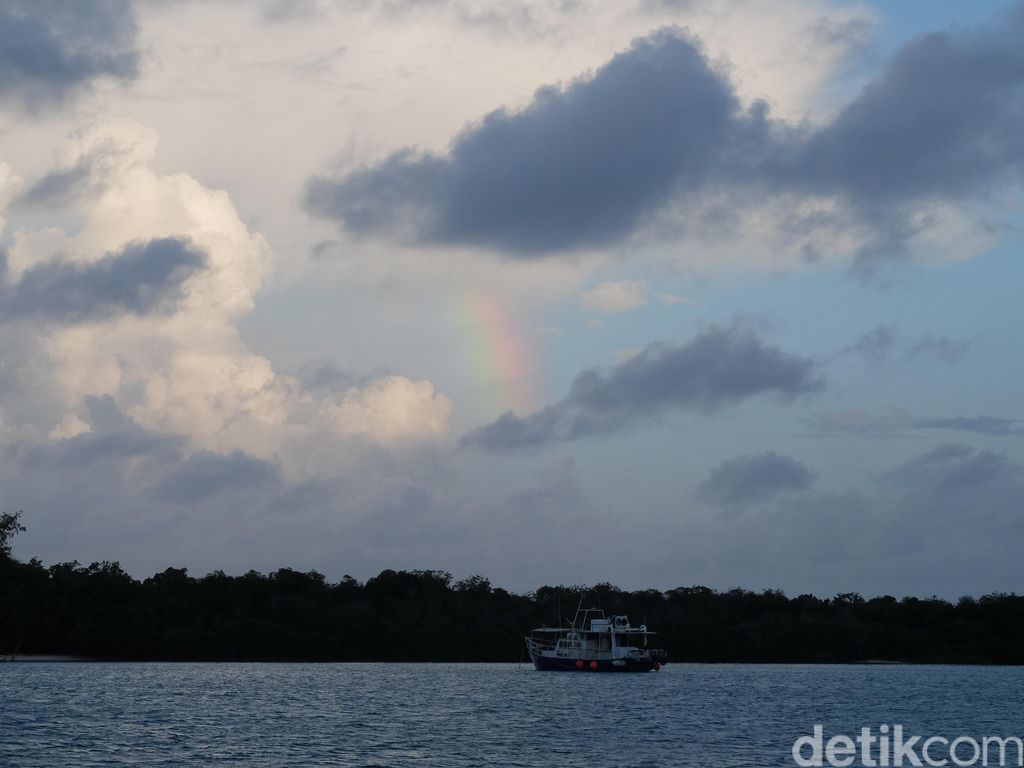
point(146, 295)
point(941, 347)
point(952, 506)
point(954, 469)
point(148, 499)
point(718, 368)
point(580, 166)
point(952, 97)
point(857, 422)
point(610, 298)
point(879, 346)
point(322, 377)
point(985, 425)
point(151, 501)
point(873, 345)
point(49, 49)
point(754, 478)
point(389, 409)
point(622, 355)
point(670, 298)
point(658, 137)
point(138, 279)
point(90, 160)
point(895, 421)
point(57, 187)
point(204, 474)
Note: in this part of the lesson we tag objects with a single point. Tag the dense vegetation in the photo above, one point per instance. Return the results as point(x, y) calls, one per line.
point(100, 611)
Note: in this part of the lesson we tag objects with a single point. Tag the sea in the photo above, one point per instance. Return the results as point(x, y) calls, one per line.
point(82, 714)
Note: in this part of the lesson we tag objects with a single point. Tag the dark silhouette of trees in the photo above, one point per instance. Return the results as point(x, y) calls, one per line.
point(10, 526)
point(100, 611)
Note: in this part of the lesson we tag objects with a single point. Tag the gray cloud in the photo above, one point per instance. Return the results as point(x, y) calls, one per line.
point(857, 422)
point(145, 498)
point(138, 279)
point(943, 119)
point(580, 166)
point(322, 377)
point(584, 164)
point(875, 345)
point(947, 522)
point(940, 347)
point(896, 422)
point(57, 187)
point(150, 500)
point(51, 48)
point(985, 425)
point(718, 368)
point(754, 478)
point(955, 469)
point(120, 496)
point(90, 172)
point(883, 344)
point(204, 474)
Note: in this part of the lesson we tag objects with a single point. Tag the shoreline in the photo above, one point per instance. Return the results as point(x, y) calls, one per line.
point(59, 658)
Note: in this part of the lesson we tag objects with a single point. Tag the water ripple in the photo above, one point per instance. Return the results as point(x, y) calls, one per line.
point(397, 715)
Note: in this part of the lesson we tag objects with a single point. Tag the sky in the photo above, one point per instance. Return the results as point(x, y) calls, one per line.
point(654, 292)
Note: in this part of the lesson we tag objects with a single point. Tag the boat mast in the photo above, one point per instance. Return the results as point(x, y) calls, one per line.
point(578, 607)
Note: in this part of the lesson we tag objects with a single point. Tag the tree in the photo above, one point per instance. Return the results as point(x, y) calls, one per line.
point(10, 526)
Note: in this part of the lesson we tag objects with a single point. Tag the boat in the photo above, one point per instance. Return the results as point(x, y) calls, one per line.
point(594, 643)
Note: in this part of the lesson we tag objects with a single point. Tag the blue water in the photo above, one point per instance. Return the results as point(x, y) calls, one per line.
point(306, 716)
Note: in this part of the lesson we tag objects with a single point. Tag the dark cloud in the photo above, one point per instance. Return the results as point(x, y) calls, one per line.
point(755, 478)
point(944, 119)
point(51, 48)
point(580, 166)
point(585, 163)
point(102, 448)
point(139, 279)
point(204, 474)
point(718, 368)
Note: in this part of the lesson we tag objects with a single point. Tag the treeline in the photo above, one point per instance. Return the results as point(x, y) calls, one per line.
point(102, 612)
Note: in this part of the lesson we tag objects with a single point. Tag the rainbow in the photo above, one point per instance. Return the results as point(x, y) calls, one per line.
point(499, 354)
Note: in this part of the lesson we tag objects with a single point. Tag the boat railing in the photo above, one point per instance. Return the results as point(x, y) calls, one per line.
point(535, 646)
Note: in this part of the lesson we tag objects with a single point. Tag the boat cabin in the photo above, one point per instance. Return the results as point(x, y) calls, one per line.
point(592, 636)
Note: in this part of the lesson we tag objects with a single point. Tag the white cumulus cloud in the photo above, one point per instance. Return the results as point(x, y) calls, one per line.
point(185, 370)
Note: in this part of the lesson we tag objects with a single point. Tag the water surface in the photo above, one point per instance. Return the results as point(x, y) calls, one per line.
point(312, 715)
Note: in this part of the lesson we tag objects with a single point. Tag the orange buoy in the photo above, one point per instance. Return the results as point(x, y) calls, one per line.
point(593, 665)
point(657, 666)
point(579, 664)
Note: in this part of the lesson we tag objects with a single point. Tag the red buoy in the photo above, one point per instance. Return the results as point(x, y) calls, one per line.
point(593, 665)
point(579, 664)
point(657, 666)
